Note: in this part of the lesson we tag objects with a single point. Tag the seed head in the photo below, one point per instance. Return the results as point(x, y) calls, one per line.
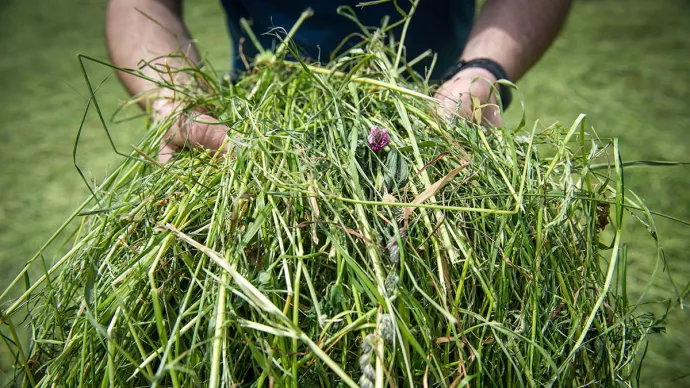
point(391, 283)
point(387, 328)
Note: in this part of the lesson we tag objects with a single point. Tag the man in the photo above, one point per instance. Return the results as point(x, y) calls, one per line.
point(505, 40)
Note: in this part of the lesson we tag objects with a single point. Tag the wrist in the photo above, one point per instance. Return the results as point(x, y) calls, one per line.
point(475, 73)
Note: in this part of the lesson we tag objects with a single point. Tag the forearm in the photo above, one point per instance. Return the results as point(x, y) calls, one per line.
point(515, 33)
point(135, 32)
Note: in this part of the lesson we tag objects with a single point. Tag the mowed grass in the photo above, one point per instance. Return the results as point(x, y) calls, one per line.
point(623, 63)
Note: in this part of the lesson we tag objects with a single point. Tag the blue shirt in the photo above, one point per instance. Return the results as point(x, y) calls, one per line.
point(440, 25)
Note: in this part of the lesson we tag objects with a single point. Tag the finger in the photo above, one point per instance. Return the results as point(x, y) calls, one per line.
point(493, 115)
point(209, 136)
point(462, 106)
point(165, 153)
point(197, 131)
point(449, 106)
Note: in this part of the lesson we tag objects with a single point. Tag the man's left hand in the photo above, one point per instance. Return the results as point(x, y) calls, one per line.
point(457, 93)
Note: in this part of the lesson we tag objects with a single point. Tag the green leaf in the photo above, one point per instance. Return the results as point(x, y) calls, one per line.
point(88, 287)
point(255, 225)
point(397, 171)
point(335, 295)
point(420, 145)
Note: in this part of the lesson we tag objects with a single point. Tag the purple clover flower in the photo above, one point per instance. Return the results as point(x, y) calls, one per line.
point(378, 138)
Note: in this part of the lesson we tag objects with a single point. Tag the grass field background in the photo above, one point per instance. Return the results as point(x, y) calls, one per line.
point(624, 63)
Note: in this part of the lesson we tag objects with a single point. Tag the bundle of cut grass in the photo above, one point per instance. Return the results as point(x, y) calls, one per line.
point(350, 237)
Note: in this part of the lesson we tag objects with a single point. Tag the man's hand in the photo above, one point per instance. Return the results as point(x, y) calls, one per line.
point(153, 30)
point(190, 129)
point(512, 33)
point(456, 96)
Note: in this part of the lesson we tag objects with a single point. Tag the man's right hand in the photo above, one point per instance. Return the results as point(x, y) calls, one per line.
point(153, 30)
point(190, 129)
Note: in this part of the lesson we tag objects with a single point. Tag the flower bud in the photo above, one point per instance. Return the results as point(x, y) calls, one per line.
point(378, 138)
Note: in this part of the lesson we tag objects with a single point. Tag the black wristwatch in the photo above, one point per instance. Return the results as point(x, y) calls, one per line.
point(492, 67)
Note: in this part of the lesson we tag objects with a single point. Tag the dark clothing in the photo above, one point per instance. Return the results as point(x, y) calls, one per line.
point(440, 25)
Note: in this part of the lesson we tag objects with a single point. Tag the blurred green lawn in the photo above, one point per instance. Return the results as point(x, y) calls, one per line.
point(624, 63)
